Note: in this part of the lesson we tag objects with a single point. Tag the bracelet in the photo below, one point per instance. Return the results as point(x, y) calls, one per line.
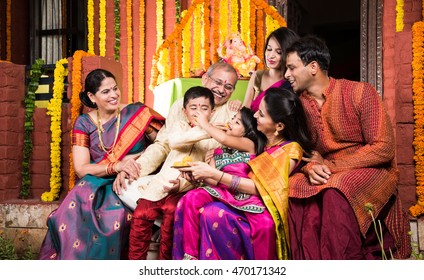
point(149, 129)
point(219, 181)
point(235, 182)
point(115, 167)
point(111, 168)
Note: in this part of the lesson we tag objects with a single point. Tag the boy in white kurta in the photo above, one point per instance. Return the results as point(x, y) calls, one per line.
point(149, 194)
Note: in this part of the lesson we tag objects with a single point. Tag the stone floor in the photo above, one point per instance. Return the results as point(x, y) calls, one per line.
point(24, 222)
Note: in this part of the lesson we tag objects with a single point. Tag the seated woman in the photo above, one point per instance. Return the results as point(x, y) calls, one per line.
point(91, 222)
point(224, 224)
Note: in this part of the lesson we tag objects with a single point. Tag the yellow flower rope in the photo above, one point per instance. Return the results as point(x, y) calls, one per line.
point(399, 15)
point(206, 35)
point(223, 20)
point(90, 26)
point(129, 52)
point(245, 21)
point(197, 17)
point(234, 16)
point(418, 98)
point(141, 51)
point(215, 34)
point(102, 28)
point(54, 109)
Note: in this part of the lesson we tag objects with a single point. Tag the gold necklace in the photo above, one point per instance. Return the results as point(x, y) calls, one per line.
point(100, 130)
point(276, 143)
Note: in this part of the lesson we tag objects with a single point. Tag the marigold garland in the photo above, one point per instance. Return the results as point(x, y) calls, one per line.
point(159, 22)
point(29, 101)
point(186, 37)
point(129, 52)
point(260, 34)
point(418, 98)
point(234, 8)
point(142, 11)
point(399, 15)
point(54, 109)
point(90, 26)
point(75, 102)
point(215, 34)
point(244, 21)
point(223, 20)
point(102, 27)
point(117, 28)
point(253, 26)
point(206, 35)
point(177, 43)
point(197, 23)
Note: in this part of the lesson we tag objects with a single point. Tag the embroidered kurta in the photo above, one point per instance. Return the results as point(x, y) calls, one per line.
point(353, 133)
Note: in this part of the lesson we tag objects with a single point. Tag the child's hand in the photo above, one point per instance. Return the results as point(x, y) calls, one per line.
point(174, 188)
point(201, 119)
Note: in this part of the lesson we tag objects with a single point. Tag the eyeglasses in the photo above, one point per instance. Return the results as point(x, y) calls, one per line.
point(227, 87)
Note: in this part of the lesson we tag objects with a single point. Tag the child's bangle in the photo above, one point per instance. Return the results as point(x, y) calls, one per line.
point(222, 175)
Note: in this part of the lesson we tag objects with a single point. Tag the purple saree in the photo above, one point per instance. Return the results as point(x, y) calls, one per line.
point(91, 222)
point(192, 239)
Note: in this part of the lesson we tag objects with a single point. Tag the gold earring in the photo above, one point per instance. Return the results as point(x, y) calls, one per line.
point(276, 133)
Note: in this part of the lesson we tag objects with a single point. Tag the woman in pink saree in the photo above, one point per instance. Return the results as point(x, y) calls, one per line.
point(272, 77)
point(214, 222)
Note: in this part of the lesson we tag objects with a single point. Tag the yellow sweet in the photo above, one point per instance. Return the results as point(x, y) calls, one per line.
point(184, 161)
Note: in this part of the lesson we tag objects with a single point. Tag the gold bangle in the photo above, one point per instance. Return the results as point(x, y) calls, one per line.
point(220, 178)
point(115, 167)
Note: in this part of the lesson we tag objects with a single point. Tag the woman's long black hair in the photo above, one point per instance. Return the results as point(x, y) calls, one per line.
point(284, 106)
point(251, 129)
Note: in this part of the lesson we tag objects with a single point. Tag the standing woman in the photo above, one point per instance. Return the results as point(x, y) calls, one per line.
point(91, 222)
point(275, 60)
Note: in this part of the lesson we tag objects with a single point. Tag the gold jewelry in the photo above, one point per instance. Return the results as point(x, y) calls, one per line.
point(100, 130)
point(276, 133)
point(276, 143)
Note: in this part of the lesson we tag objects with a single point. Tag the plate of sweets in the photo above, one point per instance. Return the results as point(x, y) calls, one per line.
point(183, 163)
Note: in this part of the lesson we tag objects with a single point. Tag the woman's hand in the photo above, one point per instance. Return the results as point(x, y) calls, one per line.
point(119, 183)
point(130, 167)
point(199, 171)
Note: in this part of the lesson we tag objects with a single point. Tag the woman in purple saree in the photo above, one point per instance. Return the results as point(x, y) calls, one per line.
point(91, 222)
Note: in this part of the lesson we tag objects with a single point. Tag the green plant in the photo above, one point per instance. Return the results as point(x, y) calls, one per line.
point(416, 254)
point(378, 230)
point(35, 74)
point(7, 249)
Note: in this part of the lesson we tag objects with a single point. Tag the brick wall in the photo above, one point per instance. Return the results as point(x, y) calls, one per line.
point(397, 80)
point(12, 87)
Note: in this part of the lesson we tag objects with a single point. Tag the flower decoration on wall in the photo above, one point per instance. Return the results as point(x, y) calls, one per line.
point(418, 98)
point(54, 109)
point(29, 101)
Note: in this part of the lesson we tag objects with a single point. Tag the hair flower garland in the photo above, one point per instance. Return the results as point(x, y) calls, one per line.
point(29, 101)
point(54, 109)
point(418, 98)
